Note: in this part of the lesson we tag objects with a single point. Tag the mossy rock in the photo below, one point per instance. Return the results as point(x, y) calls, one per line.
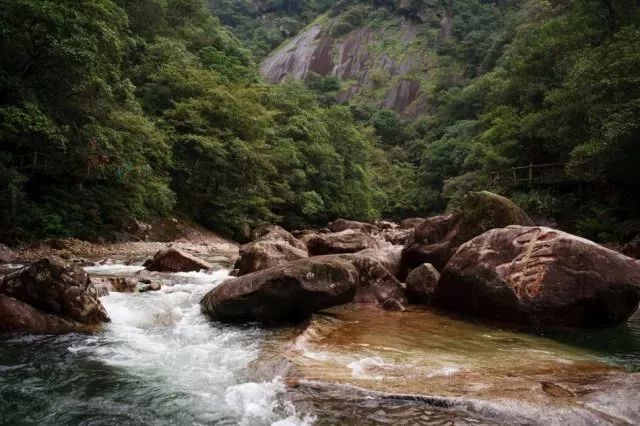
point(436, 240)
point(484, 210)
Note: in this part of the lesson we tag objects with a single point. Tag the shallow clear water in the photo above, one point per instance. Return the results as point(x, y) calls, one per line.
point(161, 361)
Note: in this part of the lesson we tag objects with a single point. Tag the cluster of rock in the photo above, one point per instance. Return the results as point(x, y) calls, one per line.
point(55, 295)
point(487, 259)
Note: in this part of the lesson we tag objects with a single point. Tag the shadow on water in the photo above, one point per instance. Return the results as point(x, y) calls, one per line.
point(620, 346)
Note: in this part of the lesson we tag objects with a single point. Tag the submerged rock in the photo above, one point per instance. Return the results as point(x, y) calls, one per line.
point(50, 296)
point(275, 248)
point(436, 239)
point(175, 260)
point(421, 282)
point(348, 241)
point(392, 304)
point(540, 276)
point(288, 292)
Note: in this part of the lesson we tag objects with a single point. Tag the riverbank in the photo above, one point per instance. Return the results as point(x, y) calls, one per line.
point(145, 242)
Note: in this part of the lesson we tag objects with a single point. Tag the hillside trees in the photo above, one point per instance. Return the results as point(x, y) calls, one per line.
point(140, 107)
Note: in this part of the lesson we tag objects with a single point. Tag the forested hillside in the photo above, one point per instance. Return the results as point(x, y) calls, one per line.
point(117, 110)
point(490, 86)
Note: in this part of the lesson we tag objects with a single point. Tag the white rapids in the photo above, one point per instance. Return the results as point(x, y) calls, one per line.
point(160, 361)
point(175, 350)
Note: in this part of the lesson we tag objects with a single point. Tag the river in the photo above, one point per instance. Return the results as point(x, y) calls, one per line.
point(161, 361)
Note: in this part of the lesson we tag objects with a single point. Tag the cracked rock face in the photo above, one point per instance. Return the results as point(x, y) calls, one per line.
point(355, 58)
point(540, 276)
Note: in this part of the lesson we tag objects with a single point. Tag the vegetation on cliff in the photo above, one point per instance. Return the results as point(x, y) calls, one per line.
point(501, 84)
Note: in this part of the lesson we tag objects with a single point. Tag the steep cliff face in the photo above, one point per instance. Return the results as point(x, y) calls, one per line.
point(386, 64)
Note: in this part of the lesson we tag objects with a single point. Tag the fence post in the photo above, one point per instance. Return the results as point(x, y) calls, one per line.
point(530, 176)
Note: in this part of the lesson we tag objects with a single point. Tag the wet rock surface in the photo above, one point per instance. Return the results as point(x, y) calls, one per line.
point(53, 296)
point(540, 276)
point(289, 292)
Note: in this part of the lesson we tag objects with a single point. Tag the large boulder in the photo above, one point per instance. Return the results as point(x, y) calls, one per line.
point(7, 255)
point(389, 256)
point(376, 283)
point(50, 296)
point(274, 247)
point(277, 233)
point(540, 276)
point(288, 292)
point(174, 260)
point(340, 225)
point(397, 236)
point(436, 239)
point(348, 241)
point(19, 317)
point(421, 282)
point(264, 254)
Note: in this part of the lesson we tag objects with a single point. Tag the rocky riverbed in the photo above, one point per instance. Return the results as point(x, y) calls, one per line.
point(327, 326)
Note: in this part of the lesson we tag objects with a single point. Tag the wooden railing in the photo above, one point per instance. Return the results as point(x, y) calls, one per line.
point(33, 161)
point(531, 174)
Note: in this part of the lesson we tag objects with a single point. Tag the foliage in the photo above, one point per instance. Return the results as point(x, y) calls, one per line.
point(140, 108)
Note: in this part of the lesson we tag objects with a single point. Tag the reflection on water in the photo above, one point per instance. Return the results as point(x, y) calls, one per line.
point(620, 346)
point(477, 368)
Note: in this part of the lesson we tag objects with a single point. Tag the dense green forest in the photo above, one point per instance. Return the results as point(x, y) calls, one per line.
point(137, 108)
point(115, 110)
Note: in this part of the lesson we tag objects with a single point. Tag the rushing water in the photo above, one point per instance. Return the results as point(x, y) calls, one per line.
point(162, 361)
